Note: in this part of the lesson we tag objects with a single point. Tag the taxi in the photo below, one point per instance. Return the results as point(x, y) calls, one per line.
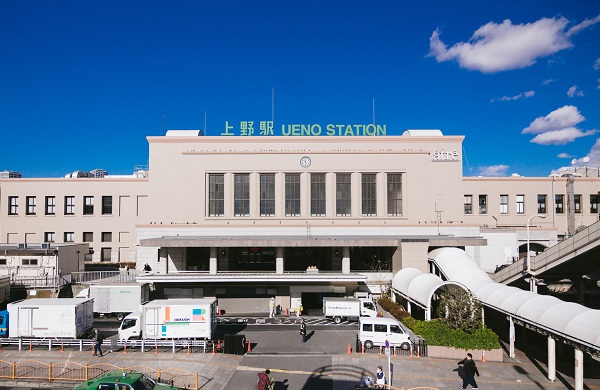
point(123, 380)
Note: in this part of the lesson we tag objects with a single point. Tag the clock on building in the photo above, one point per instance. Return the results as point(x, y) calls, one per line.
point(305, 161)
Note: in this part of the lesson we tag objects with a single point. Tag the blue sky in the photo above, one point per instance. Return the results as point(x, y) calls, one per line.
point(82, 83)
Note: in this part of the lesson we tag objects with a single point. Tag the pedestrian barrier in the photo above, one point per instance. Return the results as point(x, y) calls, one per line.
point(417, 348)
point(71, 371)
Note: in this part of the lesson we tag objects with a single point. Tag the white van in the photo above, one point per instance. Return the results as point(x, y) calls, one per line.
point(374, 331)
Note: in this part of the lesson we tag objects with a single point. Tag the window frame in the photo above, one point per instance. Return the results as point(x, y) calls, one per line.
point(216, 195)
point(468, 204)
point(483, 205)
point(369, 194)
point(292, 195)
point(559, 203)
point(542, 202)
point(594, 200)
point(343, 194)
point(88, 205)
point(520, 203)
point(107, 205)
point(31, 202)
point(241, 194)
point(13, 205)
point(267, 194)
point(503, 203)
point(69, 205)
point(50, 205)
point(394, 194)
point(69, 237)
point(318, 194)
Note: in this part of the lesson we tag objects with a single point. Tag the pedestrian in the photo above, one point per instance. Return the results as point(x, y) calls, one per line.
point(272, 307)
point(380, 377)
point(264, 382)
point(303, 330)
point(470, 370)
point(147, 268)
point(98, 340)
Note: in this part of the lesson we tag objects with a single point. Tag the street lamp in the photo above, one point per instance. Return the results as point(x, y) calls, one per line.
point(528, 271)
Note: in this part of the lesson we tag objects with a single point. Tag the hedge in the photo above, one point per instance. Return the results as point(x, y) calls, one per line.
point(435, 332)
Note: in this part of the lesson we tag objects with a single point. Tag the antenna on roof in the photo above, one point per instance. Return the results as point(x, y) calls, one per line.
point(373, 110)
point(273, 105)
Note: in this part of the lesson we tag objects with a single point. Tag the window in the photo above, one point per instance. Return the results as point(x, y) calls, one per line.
point(88, 236)
point(3, 261)
point(106, 205)
point(267, 194)
point(29, 261)
point(50, 205)
point(292, 194)
point(49, 237)
point(367, 327)
point(468, 204)
point(241, 194)
point(69, 205)
point(520, 203)
point(594, 203)
point(381, 328)
point(69, 237)
point(106, 237)
point(394, 194)
point(343, 206)
point(369, 194)
point(317, 195)
point(503, 204)
point(13, 202)
point(559, 201)
point(88, 205)
point(577, 199)
point(105, 254)
point(482, 204)
point(541, 204)
point(216, 195)
point(30, 205)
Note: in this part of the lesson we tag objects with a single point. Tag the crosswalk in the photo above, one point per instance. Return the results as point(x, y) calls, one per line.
point(250, 320)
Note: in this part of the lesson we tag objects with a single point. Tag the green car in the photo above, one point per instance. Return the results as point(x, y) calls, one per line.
point(119, 380)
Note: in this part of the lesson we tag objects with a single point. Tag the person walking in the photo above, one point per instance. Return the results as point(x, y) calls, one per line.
point(380, 377)
point(303, 330)
point(98, 340)
point(147, 267)
point(470, 370)
point(272, 307)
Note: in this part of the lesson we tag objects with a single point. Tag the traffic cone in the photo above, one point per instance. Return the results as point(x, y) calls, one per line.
point(155, 348)
point(218, 344)
point(125, 347)
point(349, 349)
point(418, 349)
point(62, 346)
point(362, 348)
point(287, 311)
point(213, 348)
point(249, 348)
point(380, 350)
point(483, 356)
point(188, 352)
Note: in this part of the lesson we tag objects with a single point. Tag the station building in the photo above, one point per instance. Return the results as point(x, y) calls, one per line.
point(246, 218)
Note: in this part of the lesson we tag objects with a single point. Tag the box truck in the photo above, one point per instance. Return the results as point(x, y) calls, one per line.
point(338, 309)
point(171, 318)
point(50, 317)
point(117, 299)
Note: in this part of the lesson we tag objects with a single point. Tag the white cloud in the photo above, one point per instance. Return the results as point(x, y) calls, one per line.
point(598, 87)
point(494, 170)
point(522, 95)
point(597, 64)
point(573, 91)
point(564, 155)
point(593, 155)
point(561, 137)
point(547, 81)
point(561, 118)
point(500, 47)
point(558, 127)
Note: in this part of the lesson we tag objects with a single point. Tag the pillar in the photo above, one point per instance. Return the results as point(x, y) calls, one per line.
point(578, 369)
point(580, 290)
point(408, 307)
point(212, 267)
point(551, 359)
point(511, 336)
point(346, 260)
point(279, 260)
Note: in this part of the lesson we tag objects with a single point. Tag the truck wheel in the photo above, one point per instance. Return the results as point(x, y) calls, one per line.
point(368, 344)
point(405, 346)
point(120, 316)
point(337, 320)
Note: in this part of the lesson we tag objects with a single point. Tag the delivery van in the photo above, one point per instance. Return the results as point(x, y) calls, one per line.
point(374, 331)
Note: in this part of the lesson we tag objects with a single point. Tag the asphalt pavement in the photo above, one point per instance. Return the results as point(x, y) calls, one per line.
point(322, 362)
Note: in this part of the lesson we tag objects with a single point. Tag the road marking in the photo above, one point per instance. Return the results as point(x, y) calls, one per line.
point(260, 369)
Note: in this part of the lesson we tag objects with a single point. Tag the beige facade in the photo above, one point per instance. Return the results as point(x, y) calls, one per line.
point(282, 204)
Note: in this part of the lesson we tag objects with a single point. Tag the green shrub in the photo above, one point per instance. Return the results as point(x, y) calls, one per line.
point(435, 332)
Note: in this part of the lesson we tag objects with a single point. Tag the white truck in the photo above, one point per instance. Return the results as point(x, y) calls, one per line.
point(171, 318)
point(51, 317)
point(117, 299)
point(351, 309)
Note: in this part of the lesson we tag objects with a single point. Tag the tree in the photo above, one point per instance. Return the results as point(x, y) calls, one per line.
point(459, 310)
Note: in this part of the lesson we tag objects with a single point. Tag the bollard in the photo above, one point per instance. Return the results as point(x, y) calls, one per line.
point(213, 348)
point(188, 352)
point(380, 347)
point(395, 350)
point(411, 349)
point(125, 347)
point(483, 356)
point(349, 349)
point(30, 346)
point(218, 344)
point(362, 348)
point(62, 346)
point(418, 349)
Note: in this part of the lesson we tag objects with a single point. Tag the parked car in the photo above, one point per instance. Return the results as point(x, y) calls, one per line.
point(123, 380)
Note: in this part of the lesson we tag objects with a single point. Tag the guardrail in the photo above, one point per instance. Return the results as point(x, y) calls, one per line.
point(105, 276)
point(71, 371)
point(45, 281)
point(418, 348)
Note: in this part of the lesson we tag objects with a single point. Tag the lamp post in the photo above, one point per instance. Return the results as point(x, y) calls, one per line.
point(528, 271)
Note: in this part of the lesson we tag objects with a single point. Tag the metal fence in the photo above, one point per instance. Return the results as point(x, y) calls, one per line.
point(417, 348)
point(105, 276)
point(45, 281)
point(71, 371)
